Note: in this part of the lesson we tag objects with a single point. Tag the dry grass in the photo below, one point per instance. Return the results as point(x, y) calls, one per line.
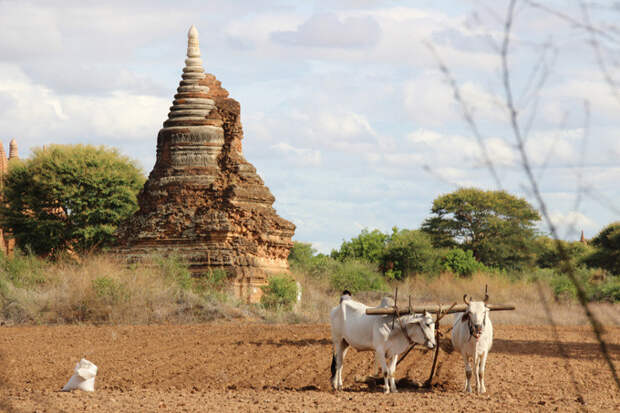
point(102, 290)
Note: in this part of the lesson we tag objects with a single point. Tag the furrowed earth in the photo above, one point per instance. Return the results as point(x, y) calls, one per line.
point(245, 366)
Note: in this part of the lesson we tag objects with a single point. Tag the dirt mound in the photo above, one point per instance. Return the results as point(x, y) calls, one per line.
point(254, 367)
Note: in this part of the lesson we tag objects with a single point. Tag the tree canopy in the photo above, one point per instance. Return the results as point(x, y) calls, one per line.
point(409, 252)
point(367, 245)
point(607, 249)
point(496, 226)
point(69, 196)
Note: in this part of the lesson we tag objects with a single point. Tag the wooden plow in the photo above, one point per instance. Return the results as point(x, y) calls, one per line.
point(440, 311)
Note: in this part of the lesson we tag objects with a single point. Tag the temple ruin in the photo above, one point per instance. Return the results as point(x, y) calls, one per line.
point(203, 201)
point(7, 242)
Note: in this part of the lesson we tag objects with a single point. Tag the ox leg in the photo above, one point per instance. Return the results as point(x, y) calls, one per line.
point(392, 373)
point(344, 353)
point(339, 350)
point(483, 364)
point(467, 374)
point(477, 360)
point(380, 355)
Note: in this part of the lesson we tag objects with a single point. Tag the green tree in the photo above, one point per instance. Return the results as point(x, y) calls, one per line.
point(69, 196)
point(496, 226)
point(409, 252)
point(548, 255)
point(301, 255)
point(367, 245)
point(607, 249)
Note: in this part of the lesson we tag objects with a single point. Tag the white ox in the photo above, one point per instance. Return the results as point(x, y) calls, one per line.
point(472, 336)
point(351, 326)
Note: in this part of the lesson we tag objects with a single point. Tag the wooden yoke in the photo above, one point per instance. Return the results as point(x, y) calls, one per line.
point(434, 309)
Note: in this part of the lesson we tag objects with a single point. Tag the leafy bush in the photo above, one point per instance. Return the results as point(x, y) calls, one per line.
point(23, 270)
point(301, 256)
point(409, 252)
point(109, 290)
point(563, 287)
point(548, 255)
point(607, 249)
point(279, 293)
point(303, 259)
point(174, 268)
point(367, 245)
point(461, 262)
point(356, 276)
point(607, 291)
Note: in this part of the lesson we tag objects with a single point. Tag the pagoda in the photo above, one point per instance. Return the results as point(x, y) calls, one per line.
point(203, 201)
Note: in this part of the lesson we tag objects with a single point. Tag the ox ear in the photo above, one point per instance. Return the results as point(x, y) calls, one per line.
point(465, 316)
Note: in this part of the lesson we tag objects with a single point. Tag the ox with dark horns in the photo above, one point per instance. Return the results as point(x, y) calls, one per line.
point(472, 336)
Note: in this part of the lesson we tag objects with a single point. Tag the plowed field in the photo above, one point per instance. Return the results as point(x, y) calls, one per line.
point(246, 366)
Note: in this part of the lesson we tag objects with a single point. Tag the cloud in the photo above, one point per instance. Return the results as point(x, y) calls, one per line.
point(328, 30)
point(570, 223)
point(298, 156)
point(36, 115)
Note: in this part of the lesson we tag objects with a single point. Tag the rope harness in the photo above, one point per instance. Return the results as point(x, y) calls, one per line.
point(402, 327)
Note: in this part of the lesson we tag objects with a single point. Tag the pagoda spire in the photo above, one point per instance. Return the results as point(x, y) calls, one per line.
point(192, 103)
point(13, 149)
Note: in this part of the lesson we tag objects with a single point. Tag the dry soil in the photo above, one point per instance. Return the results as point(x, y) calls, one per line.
point(243, 366)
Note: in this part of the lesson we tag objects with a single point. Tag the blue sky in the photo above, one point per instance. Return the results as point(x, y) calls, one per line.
point(345, 113)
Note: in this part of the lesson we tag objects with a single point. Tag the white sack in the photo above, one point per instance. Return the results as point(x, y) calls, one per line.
point(83, 378)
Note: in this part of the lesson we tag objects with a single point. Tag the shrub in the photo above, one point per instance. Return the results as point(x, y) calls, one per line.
point(356, 276)
point(174, 268)
point(461, 262)
point(606, 291)
point(23, 270)
point(563, 287)
point(606, 252)
point(279, 293)
point(409, 252)
point(301, 256)
point(548, 255)
point(367, 245)
point(109, 290)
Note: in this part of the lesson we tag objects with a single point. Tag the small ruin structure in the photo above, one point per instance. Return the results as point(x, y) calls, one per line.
point(7, 242)
point(203, 201)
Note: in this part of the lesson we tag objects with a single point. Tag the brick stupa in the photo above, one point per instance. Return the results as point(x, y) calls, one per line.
point(203, 201)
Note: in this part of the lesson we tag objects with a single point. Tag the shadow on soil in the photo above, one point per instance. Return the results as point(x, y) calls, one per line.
point(287, 342)
point(586, 351)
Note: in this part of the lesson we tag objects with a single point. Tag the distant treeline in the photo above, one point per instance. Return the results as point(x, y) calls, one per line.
point(471, 230)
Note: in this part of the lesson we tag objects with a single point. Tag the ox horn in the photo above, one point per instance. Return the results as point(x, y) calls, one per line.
point(486, 294)
point(465, 300)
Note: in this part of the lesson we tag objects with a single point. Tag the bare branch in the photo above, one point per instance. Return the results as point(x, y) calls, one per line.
point(600, 61)
point(516, 129)
point(576, 23)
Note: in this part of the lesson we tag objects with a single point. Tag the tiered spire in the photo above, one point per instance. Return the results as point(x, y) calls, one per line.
point(13, 150)
point(191, 104)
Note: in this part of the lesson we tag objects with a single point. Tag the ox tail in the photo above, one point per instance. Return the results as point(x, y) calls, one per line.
point(333, 365)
